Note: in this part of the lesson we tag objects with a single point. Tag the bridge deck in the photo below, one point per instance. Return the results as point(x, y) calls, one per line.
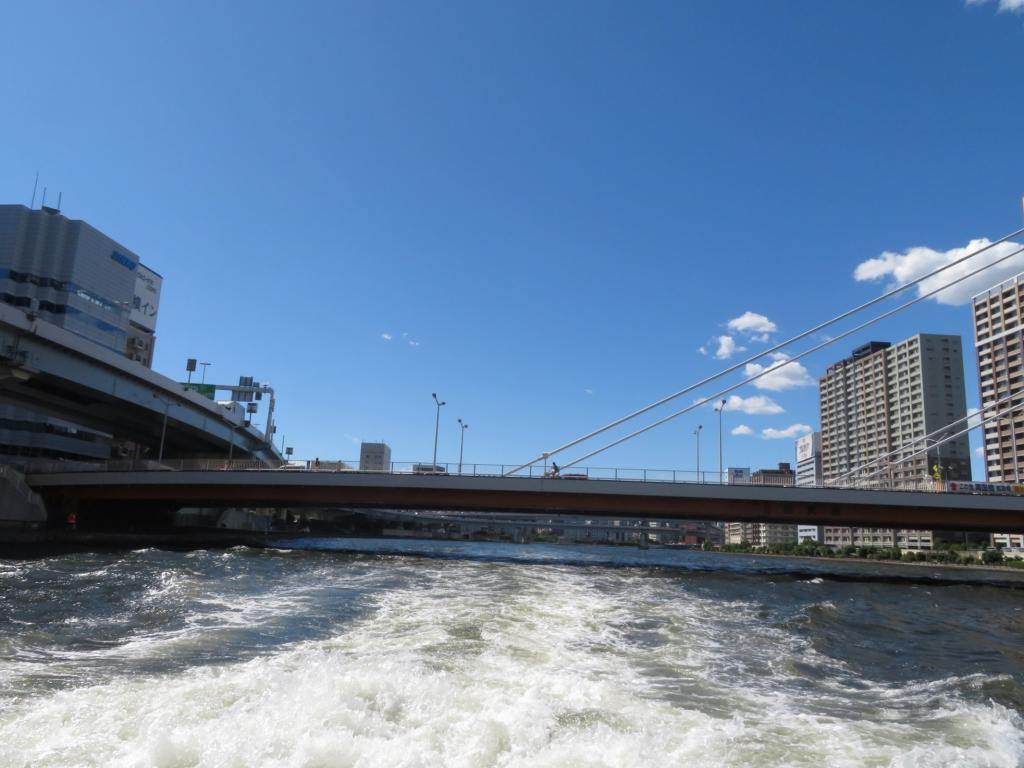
point(276, 488)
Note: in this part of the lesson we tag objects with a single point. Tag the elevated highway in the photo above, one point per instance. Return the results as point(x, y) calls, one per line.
point(53, 371)
point(137, 492)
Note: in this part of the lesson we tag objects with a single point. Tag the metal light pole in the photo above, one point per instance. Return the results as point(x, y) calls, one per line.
point(462, 441)
point(437, 427)
point(721, 476)
point(163, 431)
point(696, 433)
point(937, 444)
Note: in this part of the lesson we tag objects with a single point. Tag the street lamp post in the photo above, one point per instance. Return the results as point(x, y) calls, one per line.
point(163, 431)
point(937, 443)
point(437, 428)
point(721, 465)
point(696, 433)
point(462, 441)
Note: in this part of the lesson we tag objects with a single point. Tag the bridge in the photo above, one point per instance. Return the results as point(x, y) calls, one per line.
point(46, 365)
point(136, 491)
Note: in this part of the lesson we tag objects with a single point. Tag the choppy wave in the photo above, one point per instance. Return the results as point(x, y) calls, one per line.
point(337, 660)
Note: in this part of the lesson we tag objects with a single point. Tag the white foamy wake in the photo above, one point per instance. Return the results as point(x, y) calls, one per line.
point(495, 665)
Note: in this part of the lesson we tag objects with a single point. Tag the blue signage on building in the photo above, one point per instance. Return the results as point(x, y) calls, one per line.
point(123, 260)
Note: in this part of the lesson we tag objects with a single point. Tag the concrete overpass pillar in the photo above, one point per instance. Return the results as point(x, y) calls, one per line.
point(20, 506)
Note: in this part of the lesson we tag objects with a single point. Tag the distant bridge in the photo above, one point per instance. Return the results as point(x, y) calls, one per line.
point(137, 492)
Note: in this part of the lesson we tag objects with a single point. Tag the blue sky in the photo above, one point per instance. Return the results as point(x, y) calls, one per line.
point(541, 211)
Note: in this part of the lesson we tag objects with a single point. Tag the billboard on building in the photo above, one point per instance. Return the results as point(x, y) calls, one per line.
point(739, 475)
point(146, 303)
point(805, 447)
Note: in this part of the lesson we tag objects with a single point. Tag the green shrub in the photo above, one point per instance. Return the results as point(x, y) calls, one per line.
point(992, 557)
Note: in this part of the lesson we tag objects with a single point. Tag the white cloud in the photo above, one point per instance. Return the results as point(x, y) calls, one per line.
point(784, 374)
point(702, 350)
point(915, 262)
point(413, 343)
point(727, 347)
point(742, 429)
point(790, 432)
point(756, 406)
point(751, 323)
point(1012, 6)
point(763, 338)
point(973, 418)
point(588, 390)
point(387, 336)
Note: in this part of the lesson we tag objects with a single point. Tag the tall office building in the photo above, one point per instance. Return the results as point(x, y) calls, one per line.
point(808, 460)
point(884, 398)
point(72, 275)
point(999, 343)
point(65, 272)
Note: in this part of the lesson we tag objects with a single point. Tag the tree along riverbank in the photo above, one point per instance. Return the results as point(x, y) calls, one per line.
point(947, 554)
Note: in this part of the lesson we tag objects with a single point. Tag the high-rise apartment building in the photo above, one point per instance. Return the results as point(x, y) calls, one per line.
point(999, 343)
point(885, 398)
point(65, 272)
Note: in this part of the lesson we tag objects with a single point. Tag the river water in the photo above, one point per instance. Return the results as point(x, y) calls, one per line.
point(503, 655)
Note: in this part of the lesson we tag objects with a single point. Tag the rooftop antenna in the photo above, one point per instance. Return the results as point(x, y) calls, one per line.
point(60, 196)
point(34, 188)
point(43, 204)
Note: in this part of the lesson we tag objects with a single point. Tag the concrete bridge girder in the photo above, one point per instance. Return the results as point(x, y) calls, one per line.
point(881, 509)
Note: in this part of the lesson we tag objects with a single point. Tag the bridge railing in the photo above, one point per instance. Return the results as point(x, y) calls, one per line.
point(620, 474)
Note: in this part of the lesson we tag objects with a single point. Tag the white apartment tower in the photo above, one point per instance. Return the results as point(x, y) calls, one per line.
point(999, 341)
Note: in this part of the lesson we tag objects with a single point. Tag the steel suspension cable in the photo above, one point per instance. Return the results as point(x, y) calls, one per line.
point(759, 355)
point(962, 432)
point(793, 359)
point(930, 436)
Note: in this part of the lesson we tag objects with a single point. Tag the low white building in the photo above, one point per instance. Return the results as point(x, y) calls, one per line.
point(808, 475)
